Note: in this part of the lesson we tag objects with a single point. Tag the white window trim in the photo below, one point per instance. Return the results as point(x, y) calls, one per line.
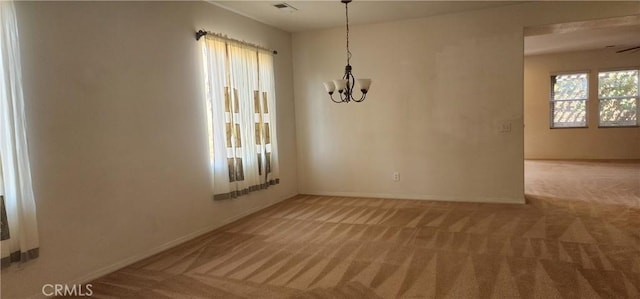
point(552, 101)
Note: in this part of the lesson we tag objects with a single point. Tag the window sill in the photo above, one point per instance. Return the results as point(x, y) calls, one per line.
point(617, 127)
point(554, 128)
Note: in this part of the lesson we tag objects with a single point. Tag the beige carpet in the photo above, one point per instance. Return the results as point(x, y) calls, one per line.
point(578, 237)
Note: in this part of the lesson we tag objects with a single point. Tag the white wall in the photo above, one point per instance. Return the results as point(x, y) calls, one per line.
point(579, 143)
point(442, 87)
point(116, 129)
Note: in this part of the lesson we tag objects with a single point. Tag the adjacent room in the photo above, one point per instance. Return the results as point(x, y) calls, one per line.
point(320, 149)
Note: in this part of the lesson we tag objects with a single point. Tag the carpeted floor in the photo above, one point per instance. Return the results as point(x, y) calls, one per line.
point(578, 237)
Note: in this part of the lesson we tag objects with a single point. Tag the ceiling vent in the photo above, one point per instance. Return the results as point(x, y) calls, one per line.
point(285, 7)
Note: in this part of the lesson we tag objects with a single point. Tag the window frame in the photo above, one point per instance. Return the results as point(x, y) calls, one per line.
point(618, 69)
point(552, 101)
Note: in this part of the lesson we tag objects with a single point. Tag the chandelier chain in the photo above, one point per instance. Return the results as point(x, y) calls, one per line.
point(346, 10)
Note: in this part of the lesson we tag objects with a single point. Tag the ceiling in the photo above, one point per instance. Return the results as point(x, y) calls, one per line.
point(614, 33)
point(620, 33)
point(312, 15)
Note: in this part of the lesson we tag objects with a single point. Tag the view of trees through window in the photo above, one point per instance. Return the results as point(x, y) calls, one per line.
point(618, 97)
point(569, 100)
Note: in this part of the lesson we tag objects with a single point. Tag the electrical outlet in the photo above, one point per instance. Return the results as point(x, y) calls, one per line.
point(396, 176)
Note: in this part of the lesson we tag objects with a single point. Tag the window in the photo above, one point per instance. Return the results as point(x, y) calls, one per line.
point(241, 116)
point(569, 94)
point(618, 98)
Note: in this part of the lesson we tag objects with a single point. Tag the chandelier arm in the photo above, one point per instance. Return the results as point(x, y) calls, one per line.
point(353, 85)
point(347, 87)
point(351, 82)
point(364, 95)
point(332, 99)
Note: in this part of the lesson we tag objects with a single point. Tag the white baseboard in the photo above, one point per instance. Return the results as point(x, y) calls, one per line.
point(136, 258)
point(476, 199)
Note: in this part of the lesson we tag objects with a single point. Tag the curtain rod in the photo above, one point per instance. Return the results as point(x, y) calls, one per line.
point(201, 33)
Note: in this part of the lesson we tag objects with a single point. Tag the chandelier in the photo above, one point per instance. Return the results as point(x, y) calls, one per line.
point(346, 85)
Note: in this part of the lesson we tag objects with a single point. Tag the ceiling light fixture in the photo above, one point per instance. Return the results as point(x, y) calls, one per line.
point(345, 86)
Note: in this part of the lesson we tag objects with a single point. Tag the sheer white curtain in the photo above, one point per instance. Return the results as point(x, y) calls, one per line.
point(240, 102)
point(19, 227)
